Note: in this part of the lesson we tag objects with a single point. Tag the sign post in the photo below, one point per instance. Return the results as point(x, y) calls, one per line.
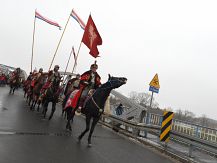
point(166, 126)
point(154, 86)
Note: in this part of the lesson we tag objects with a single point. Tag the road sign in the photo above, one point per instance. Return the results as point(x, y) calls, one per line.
point(153, 89)
point(155, 82)
point(166, 126)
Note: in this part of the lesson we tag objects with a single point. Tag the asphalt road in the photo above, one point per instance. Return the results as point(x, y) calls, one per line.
point(25, 137)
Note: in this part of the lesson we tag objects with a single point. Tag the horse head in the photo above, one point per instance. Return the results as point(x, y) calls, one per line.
point(116, 82)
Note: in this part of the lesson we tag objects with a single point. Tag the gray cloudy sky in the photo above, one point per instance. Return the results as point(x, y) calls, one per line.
point(176, 39)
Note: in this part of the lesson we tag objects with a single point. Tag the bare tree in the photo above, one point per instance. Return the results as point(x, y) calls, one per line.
point(204, 120)
point(143, 99)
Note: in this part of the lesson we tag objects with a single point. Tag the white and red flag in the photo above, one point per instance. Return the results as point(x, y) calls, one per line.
point(51, 22)
point(78, 19)
point(91, 37)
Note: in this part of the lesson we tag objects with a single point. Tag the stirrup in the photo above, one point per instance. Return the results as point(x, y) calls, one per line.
point(78, 111)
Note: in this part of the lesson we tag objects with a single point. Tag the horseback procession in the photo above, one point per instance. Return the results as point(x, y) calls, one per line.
point(83, 94)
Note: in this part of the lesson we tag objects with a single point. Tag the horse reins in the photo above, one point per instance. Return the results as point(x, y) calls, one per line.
point(95, 91)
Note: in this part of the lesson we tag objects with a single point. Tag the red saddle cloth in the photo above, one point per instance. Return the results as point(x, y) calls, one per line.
point(73, 99)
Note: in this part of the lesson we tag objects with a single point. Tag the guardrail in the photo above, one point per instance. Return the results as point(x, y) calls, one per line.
point(182, 127)
point(191, 138)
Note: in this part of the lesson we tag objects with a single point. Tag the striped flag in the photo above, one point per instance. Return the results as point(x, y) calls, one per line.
point(78, 19)
point(39, 16)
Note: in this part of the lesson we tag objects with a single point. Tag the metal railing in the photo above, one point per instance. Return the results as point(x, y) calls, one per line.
point(188, 135)
point(194, 130)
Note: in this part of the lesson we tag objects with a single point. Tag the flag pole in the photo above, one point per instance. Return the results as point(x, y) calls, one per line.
point(68, 62)
point(33, 41)
point(76, 58)
point(59, 41)
point(66, 68)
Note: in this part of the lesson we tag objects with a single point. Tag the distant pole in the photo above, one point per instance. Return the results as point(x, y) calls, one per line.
point(68, 62)
point(67, 65)
point(33, 41)
point(151, 98)
point(76, 58)
point(60, 41)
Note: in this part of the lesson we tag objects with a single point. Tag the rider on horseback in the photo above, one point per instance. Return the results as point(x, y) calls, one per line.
point(15, 79)
point(71, 85)
point(56, 75)
point(89, 80)
point(15, 73)
point(52, 76)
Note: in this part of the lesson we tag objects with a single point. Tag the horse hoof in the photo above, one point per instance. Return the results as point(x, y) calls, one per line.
point(79, 139)
point(68, 127)
point(89, 145)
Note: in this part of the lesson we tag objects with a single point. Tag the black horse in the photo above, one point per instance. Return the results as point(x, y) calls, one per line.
point(94, 106)
point(51, 95)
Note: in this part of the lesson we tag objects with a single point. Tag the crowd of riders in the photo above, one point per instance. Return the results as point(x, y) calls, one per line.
point(82, 83)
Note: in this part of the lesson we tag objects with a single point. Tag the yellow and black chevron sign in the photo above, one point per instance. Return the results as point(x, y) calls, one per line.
point(166, 126)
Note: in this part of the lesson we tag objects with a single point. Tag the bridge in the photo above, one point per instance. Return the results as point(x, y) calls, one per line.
point(26, 137)
point(130, 137)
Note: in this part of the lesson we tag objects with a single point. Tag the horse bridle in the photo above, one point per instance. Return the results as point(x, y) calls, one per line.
point(111, 86)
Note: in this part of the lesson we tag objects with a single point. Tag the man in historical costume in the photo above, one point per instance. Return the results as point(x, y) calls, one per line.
point(15, 75)
point(15, 80)
point(71, 85)
point(89, 80)
point(37, 77)
point(56, 75)
point(53, 76)
point(33, 77)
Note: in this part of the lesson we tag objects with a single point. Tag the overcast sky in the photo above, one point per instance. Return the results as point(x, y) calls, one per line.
point(176, 39)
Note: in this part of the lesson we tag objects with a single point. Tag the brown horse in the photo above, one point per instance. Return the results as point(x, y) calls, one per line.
point(36, 91)
point(14, 83)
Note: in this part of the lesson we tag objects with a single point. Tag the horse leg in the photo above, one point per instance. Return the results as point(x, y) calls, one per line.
point(63, 111)
point(69, 118)
point(30, 99)
point(88, 117)
point(33, 101)
point(64, 103)
point(39, 103)
point(14, 89)
point(31, 107)
point(53, 109)
point(34, 104)
point(65, 114)
point(24, 93)
point(45, 105)
point(95, 120)
point(10, 89)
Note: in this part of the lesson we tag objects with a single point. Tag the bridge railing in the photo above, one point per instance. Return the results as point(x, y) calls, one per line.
point(189, 135)
point(183, 127)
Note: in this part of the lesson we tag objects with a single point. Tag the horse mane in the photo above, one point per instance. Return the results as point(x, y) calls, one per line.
point(104, 85)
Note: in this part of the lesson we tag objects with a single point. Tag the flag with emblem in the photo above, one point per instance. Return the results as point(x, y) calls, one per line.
point(91, 37)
